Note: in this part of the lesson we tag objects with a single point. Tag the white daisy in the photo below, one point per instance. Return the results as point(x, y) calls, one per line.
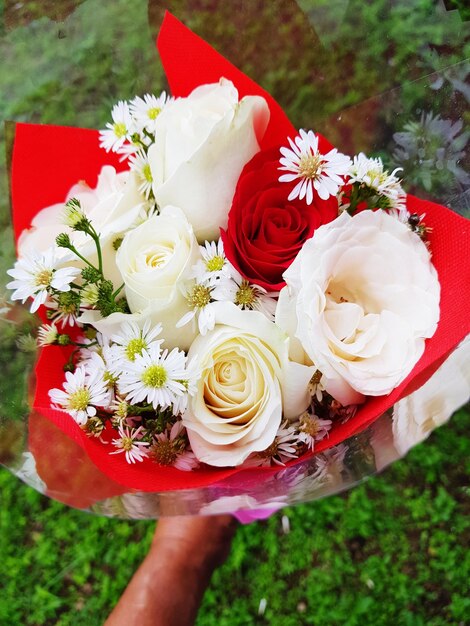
point(312, 429)
point(128, 442)
point(121, 129)
point(322, 172)
point(246, 295)
point(371, 173)
point(36, 274)
point(47, 334)
point(81, 394)
point(282, 449)
point(131, 340)
point(65, 312)
point(147, 109)
point(200, 300)
point(138, 162)
point(213, 266)
point(154, 377)
point(170, 448)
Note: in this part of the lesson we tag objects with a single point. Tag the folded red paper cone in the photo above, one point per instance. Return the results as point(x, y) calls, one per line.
point(38, 182)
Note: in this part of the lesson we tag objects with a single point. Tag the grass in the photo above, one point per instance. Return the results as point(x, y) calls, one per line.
point(392, 551)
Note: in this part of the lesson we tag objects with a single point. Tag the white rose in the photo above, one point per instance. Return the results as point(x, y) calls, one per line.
point(113, 207)
point(202, 144)
point(247, 384)
point(155, 260)
point(417, 415)
point(361, 297)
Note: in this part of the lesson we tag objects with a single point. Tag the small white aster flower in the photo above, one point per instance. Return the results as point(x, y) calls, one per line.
point(81, 394)
point(147, 109)
point(312, 429)
point(371, 173)
point(246, 295)
point(120, 407)
point(128, 442)
point(170, 448)
point(282, 449)
point(36, 274)
point(154, 377)
point(47, 334)
point(199, 298)
point(121, 129)
point(138, 162)
point(131, 340)
point(67, 316)
point(213, 266)
point(313, 170)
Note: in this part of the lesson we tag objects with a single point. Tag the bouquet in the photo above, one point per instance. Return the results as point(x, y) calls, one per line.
point(218, 290)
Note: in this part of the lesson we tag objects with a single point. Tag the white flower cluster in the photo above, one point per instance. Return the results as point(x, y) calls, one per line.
point(216, 280)
point(130, 382)
point(132, 132)
point(184, 360)
point(325, 174)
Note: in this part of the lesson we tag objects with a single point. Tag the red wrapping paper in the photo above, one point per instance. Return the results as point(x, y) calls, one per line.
point(48, 160)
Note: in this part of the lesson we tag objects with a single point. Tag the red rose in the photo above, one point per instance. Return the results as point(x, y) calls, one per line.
point(266, 230)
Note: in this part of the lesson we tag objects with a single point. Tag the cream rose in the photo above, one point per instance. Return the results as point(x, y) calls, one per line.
point(202, 144)
point(247, 384)
point(361, 297)
point(113, 207)
point(154, 260)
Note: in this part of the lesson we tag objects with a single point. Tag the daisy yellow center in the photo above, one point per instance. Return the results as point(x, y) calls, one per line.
point(127, 443)
point(310, 166)
point(310, 426)
point(164, 453)
point(154, 112)
point(121, 410)
point(270, 452)
point(215, 264)
point(246, 295)
point(43, 278)
point(155, 376)
point(109, 379)
point(199, 297)
point(120, 130)
point(147, 173)
point(68, 308)
point(79, 400)
point(134, 348)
